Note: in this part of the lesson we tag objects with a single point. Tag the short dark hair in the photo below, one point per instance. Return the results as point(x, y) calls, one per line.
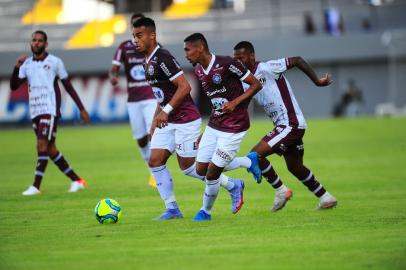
point(137, 15)
point(245, 45)
point(145, 21)
point(197, 37)
point(41, 33)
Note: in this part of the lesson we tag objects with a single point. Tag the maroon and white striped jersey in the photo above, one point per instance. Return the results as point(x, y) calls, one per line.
point(276, 95)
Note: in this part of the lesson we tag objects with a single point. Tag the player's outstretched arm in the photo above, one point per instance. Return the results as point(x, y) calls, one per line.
point(15, 81)
point(74, 95)
point(182, 90)
point(254, 87)
point(301, 64)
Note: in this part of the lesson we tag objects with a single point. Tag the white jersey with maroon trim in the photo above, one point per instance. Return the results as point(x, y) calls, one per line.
point(42, 78)
point(276, 95)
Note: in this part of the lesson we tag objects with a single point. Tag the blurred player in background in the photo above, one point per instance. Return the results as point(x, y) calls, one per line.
point(220, 78)
point(42, 71)
point(176, 124)
point(279, 103)
point(141, 103)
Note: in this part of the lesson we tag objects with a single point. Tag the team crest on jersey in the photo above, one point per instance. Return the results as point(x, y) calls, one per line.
point(151, 70)
point(47, 67)
point(217, 78)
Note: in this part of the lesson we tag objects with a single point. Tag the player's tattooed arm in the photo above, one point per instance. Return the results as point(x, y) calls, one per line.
point(305, 67)
point(254, 87)
point(15, 81)
point(114, 74)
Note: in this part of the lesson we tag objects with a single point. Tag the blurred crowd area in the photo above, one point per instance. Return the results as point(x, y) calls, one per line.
point(362, 43)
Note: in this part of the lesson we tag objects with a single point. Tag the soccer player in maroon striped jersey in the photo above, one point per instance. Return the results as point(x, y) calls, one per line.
point(279, 103)
point(176, 124)
point(220, 78)
point(42, 71)
point(141, 103)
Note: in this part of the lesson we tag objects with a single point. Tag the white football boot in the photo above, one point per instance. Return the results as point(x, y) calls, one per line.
point(282, 196)
point(327, 201)
point(77, 185)
point(31, 190)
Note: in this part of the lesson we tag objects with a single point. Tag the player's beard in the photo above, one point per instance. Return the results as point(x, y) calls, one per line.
point(37, 50)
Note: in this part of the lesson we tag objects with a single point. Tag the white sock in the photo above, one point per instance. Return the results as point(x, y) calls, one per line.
point(282, 188)
point(191, 171)
point(225, 182)
point(224, 179)
point(210, 194)
point(238, 162)
point(164, 184)
point(146, 152)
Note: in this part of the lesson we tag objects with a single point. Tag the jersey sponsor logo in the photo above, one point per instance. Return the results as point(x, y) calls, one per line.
point(151, 70)
point(137, 73)
point(159, 94)
point(138, 84)
point(235, 70)
point(135, 60)
point(216, 78)
point(218, 91)
point(270, 109)
point(218, 104)
point(165, 69)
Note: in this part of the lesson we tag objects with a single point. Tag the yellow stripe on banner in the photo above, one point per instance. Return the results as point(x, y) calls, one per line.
point(188, 8)
point(44, 12)
point(98, 33)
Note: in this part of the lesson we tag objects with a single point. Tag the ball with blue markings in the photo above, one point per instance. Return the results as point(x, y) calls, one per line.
point(108, 211)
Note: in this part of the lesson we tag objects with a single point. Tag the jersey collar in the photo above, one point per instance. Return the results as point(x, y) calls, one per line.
point(41, 58)
point(206, 71)
point(153, 52)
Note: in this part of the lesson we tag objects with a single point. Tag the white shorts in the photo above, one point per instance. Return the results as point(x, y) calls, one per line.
point(179, 137)
point(141, 114)
point(219, 147)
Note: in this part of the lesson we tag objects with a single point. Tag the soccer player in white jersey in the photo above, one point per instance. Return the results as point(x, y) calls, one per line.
point(176, 124)
point(279, 103)
point(42, 71)
point(141, 103)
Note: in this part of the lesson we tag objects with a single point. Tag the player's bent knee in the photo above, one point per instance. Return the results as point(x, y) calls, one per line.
point(155, 161)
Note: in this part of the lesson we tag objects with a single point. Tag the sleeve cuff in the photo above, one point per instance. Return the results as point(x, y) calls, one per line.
point(176, 75)
point(246, 75)
point(115, 62)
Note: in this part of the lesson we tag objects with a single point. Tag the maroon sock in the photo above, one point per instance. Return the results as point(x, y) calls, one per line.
point(42, 162)
point(269, 173)
point(313, 185)
point(64, 167)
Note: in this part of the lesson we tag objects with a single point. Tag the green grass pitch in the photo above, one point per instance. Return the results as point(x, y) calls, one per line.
point(362, 162)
